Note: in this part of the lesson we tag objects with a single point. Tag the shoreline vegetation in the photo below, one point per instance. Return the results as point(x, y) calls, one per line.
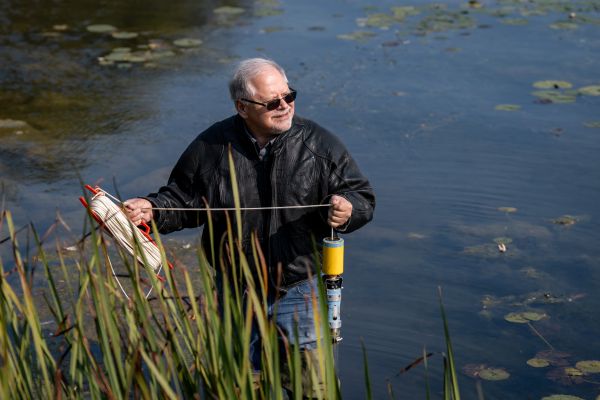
point(180, 343)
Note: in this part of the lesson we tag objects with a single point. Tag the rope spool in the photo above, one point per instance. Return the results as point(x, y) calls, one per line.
point(112, 218)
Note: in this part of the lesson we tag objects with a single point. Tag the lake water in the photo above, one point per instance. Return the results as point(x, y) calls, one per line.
point(417, 98)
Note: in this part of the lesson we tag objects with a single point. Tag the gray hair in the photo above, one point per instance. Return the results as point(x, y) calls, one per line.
point(239, 85)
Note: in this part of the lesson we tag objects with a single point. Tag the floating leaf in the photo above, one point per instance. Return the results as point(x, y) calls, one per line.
point(227, 10)
point(380, 20)
point(533, 315)
point(565, 220)
point(564, 376)
point(589, 366)
point(124, 35)
point(101, 28)
point(592, 124)
point(592, 90)
point(538, 362)
point(516, 317)
point(572, 371)
point(503, 240)
point(554, 357)
point(473, 370)
point(564, 25)
point(554, 96)
point(400, 13)
point(561, 397)
point(552, 84)
point(121, 50)
point(507, 107)
point(494, 374)
point(187, 42)
point(357, 35)
point(507, 209)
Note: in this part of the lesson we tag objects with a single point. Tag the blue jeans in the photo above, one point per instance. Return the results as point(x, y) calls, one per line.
point(294, 308)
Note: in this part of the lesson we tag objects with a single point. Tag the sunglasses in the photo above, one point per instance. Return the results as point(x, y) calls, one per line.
point(274, 104)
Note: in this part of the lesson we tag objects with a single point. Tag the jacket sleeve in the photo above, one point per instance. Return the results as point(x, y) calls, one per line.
point(346, 180)
point(183, 190)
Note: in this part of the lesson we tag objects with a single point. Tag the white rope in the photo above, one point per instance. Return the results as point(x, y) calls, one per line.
point(126, 235)
point(225, 208)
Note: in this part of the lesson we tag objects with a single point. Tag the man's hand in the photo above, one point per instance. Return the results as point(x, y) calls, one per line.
point(138, 210)
point(339, 212)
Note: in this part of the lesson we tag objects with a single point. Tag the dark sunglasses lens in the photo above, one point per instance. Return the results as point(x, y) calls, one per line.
point(291, 96)
point(273, 104)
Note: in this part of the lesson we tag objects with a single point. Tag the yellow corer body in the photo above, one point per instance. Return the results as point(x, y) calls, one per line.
point(333, 256)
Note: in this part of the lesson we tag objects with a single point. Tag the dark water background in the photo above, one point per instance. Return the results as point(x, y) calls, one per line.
point(414, 103)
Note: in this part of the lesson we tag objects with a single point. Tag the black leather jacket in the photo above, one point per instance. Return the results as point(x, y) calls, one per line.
point(305, 165)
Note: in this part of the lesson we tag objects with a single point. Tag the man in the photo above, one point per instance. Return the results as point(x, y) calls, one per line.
point(280, 160)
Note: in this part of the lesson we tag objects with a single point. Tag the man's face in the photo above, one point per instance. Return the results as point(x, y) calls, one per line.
point(267, 85)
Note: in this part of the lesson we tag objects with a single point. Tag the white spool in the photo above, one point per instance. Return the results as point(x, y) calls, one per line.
point(126, 235)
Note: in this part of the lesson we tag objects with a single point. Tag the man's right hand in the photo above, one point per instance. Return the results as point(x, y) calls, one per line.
point(138, 210)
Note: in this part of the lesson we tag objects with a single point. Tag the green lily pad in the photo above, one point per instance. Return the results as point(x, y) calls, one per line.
point(555, 96)
point(533, 315)
point(564, 25)
point(551, 84)
point(400, 13)
point(101, 28)
point(538, 362)
point(120, 56)
point(124, 35)
point(516, 317)
point(572, 371)
point(565, 220)
point(589, 366)
point(592, 90)
point(503, 240)
point(357, 35)
point(121, 50)
point(494, 374)
point(187, 42)
point(379, 20)
point(592, 124)
point(228, 10)
point(507, 107)
point(561, 397)
point(507, 209)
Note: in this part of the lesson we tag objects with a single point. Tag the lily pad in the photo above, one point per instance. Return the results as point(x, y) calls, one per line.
point(551, 84)
point(507, 107)
point(101, 28)
point(555, 96)
point(565, 220)
point(124, 35)
point(564, 25)
point(379, 20)
point(400, 13)
point(494, 374)
point(357, 35)
point(516, 317)
point(534, 315)
point(507, 209)
point(554, 357)
point(228, 10)
point(561, 397)
point(592, 90)
point(187, 42)
point(589, 366)
point(572, 371)
point(538, 362)
point(503, 240)
point(592, 124)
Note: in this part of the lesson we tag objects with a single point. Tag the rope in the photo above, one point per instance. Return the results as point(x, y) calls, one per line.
point(125, 234)
point(224, 208)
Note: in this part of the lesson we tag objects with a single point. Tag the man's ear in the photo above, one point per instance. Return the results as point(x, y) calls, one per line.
point(240, 106)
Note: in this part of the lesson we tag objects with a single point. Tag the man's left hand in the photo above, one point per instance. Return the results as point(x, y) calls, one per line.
point(339, 212)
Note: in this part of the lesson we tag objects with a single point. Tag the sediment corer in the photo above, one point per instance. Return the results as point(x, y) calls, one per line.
point(333, 268)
